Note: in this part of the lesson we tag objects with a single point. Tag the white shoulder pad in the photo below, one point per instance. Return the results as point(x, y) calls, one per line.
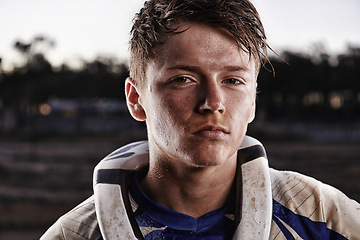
point(110, 191)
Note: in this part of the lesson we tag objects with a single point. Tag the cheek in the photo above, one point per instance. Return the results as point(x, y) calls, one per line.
point(177, 105)
point(242, 108)
point(165, 114)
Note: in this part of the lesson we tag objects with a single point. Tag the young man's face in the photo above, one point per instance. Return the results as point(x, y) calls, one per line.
point(199, 96)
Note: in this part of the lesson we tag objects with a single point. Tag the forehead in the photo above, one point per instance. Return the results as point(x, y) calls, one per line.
point(206, 47)
point(201, 45)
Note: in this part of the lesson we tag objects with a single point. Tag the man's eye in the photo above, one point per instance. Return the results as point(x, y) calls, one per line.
point(181, 80)
point(232, 81)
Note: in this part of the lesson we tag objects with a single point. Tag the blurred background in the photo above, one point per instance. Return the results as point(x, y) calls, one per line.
point(62, 109)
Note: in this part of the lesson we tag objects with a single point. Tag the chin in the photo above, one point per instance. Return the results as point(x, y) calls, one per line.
point(200, 164)
point(208, 160)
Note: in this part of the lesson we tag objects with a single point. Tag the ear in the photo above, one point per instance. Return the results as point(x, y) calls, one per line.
point(133, 100)
point(253, 110)
point(253, 106)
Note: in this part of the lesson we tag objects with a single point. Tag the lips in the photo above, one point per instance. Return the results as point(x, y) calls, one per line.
point(212, 132)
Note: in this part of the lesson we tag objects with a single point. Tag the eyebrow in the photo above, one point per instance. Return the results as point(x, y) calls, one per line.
point(235, 68)
point(197, 69)
point(184, 67)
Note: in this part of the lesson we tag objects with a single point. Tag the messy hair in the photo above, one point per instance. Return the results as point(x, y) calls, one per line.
point(158, 17)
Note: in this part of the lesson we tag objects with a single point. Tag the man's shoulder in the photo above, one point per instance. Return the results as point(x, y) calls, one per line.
point(284, 183)
point(289, 186)
point(78, 223)
point(296, 196)
point(299, 193)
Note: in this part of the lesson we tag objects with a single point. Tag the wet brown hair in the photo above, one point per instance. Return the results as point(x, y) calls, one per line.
point(158, 17)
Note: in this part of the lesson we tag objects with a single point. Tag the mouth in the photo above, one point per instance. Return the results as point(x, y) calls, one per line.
point(212, 132)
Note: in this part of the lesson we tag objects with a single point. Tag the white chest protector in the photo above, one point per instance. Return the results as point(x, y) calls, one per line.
point(113, 175)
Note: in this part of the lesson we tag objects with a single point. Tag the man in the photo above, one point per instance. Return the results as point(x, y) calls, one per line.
point(193, 72)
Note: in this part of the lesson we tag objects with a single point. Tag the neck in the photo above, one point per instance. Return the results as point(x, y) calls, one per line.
point(190, 190)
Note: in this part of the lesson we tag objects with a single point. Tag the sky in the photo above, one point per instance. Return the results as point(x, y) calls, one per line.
point(86, 29)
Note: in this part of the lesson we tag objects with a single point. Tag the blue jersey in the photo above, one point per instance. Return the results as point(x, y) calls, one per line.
point(158, 222)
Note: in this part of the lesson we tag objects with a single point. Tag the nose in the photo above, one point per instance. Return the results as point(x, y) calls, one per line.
point(211, 98)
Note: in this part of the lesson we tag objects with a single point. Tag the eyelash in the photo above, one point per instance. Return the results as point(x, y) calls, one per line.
point(180, 79)
point(233, 79)
point(185, 79)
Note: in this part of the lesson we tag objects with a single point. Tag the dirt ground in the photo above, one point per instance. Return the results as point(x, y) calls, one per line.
point(41, 180)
